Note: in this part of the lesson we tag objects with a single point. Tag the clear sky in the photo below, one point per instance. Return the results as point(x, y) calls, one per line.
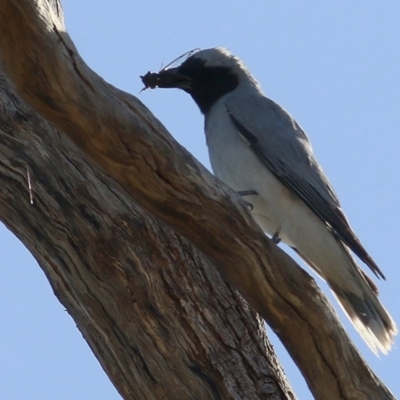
point(335, 66)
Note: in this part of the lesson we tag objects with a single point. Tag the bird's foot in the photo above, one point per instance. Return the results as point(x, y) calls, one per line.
point(248, 193)
point(249, 206)
point(275, 238)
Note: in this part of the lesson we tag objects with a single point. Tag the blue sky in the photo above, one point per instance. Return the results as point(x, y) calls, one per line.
point(335, 67)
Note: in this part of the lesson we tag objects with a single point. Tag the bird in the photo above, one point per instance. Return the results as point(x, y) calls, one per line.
point(258, 149)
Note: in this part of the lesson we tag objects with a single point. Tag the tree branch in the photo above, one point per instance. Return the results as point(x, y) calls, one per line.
point(156, 314)
point(122, 137)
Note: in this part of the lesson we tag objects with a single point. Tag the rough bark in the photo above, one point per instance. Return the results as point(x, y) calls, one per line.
point(157, 315)
point(121, 137)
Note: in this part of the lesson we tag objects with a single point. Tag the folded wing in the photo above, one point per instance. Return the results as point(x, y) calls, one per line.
point(282, 146)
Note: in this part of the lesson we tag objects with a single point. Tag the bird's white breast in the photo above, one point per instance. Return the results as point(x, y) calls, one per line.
point(234, 162)
point(275, 208)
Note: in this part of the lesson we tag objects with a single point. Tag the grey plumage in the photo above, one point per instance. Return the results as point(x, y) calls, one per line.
point(255, 145)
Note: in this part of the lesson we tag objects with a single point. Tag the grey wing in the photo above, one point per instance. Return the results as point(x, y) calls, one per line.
point(281, 145)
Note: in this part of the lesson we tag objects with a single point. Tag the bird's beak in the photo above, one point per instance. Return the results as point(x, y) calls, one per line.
point(167, 78)
point(172, 78)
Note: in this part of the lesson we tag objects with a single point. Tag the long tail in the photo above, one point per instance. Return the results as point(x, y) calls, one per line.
point(358, 298)
point(368, 315)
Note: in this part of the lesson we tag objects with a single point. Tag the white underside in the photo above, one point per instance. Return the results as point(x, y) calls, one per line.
point(275, 208)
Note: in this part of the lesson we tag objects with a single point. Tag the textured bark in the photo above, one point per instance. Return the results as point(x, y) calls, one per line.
point(121, 137)
point(157, 315)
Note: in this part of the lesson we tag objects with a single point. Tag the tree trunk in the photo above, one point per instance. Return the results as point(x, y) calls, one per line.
point(115, 226)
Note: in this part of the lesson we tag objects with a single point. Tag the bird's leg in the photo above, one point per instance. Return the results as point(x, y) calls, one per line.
point(248, 193)
point(275, 238)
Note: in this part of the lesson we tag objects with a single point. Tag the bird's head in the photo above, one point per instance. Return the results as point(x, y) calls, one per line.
point(206, 75)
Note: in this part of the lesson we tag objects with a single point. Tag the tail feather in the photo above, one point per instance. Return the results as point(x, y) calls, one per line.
point(358, 297)
point(368, 316)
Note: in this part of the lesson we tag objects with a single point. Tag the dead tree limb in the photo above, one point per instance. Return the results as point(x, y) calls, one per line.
point(156, 314)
